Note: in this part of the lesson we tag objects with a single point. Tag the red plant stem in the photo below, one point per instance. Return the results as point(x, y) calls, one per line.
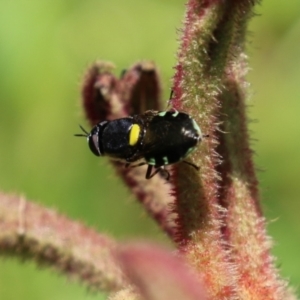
point(220, 228)
point(29, 231)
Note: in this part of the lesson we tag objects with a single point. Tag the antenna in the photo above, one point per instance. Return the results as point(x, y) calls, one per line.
point(80, 134)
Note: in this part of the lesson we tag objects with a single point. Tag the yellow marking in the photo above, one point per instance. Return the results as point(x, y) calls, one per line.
point(134, 134)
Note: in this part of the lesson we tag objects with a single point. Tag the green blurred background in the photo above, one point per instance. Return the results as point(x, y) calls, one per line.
point(45, 47)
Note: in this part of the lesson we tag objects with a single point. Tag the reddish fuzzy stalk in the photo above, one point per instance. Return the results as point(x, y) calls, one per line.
point(195, 88)
point(220, 229)
point(244, 228)
point(140, 88)
point(29, 231)
point(99, 92)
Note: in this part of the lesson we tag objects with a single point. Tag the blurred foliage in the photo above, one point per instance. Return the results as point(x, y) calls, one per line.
point(46, 47)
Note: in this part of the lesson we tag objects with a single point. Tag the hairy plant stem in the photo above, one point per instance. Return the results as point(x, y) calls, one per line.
point(220, 227)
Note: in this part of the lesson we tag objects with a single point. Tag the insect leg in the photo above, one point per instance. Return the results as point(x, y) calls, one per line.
point(191, 164)
point(157, 170)
point(127, 165)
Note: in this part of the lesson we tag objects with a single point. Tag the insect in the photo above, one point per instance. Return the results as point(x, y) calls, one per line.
point(155, 138)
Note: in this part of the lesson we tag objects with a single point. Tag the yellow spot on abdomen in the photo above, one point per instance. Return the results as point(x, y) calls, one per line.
point(134, 134)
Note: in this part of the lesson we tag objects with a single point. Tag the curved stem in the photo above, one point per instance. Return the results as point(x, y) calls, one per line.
point(29, 231)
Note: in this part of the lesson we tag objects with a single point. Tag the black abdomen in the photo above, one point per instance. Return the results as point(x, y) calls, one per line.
point(170, 137)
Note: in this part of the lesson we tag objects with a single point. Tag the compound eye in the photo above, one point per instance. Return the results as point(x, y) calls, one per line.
point(93, 141)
